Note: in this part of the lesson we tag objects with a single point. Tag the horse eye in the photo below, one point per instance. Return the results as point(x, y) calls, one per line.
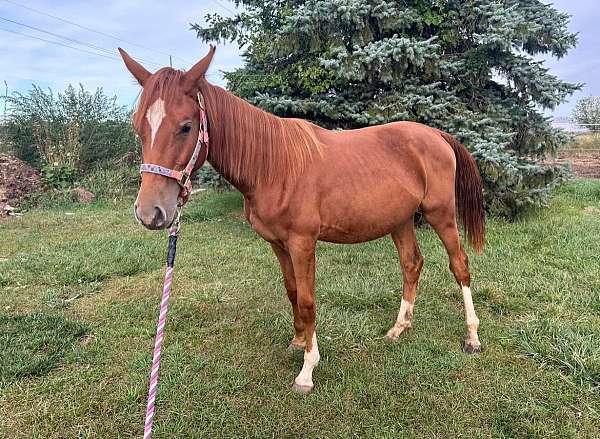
point(186, 128)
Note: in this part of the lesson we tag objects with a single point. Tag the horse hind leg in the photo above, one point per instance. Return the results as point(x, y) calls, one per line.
point(443, 220)
point(411, 262)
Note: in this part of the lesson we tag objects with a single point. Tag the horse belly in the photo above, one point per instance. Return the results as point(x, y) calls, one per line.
point(365, 216)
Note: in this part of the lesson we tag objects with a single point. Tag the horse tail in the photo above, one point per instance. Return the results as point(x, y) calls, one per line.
point(469, 194)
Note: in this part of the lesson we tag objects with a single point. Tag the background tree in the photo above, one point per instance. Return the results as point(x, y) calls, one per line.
point(587, 113)
point(467, 67)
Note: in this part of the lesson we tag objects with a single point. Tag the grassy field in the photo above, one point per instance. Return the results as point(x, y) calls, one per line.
point(81, 287)
point(586, 141)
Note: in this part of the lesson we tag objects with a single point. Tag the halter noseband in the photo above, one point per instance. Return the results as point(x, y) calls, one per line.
point(183, 177)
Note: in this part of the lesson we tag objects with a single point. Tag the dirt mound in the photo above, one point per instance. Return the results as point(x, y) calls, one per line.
point(17, 181)
point(81, 195)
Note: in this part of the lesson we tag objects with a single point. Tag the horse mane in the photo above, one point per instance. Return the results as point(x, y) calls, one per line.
point(252, 146)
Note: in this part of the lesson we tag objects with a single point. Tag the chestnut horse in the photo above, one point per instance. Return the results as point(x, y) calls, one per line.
point(302, 183)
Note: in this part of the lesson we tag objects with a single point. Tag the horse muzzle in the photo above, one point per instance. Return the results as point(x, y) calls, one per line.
point(153, 218)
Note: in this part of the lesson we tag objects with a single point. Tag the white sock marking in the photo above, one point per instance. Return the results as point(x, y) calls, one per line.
point(470, 316)
point(405, 314)
point(311, 359)
point(403, 321)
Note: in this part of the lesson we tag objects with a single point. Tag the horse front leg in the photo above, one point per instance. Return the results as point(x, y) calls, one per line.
point(302, 253)
point(289, 278)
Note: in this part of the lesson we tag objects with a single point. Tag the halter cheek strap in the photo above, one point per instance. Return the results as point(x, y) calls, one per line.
point(183, 177)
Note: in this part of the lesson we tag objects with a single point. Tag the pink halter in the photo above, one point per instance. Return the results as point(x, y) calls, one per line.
point(183, 177)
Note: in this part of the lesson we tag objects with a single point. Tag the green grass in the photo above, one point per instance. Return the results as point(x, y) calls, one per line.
point(34, 344)
point(80, 292)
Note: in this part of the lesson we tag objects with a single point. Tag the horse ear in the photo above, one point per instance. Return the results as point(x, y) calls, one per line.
point(197, 72)
point(138, 71)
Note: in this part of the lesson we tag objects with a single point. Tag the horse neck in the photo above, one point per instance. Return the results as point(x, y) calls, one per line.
point(249, 146)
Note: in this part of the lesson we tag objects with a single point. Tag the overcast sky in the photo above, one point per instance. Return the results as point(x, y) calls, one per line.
point(164, 27)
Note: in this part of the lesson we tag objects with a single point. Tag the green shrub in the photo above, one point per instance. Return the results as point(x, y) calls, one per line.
point(77, 127)
point(112, 183)
point(59, 176)
point(51, 198)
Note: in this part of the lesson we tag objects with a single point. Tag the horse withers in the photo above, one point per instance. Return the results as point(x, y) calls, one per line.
point(302, 183)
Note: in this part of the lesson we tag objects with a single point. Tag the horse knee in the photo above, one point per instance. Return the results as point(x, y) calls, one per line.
point(307, 308)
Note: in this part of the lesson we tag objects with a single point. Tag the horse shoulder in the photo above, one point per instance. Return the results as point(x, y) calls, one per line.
point(276, 210)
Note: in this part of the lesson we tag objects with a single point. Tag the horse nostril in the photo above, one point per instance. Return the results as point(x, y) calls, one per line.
point(160, 217)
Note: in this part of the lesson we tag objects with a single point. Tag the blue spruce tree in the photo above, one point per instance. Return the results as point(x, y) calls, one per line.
point(468, 67)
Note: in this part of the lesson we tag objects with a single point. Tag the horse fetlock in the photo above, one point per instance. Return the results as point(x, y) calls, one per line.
point(404, 320)
point(473, 323)
point(298, 343)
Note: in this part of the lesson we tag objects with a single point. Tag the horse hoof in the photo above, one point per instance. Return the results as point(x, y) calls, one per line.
point(394, 333)
point(295, 347)
point(471, 347)
point(301, 388)
point(392, 336)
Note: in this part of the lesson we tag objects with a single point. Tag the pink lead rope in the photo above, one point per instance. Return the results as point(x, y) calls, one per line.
point(183, 179)
point(160, 329)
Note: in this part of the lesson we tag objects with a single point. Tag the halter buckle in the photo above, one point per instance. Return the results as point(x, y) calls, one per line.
point(184, 179)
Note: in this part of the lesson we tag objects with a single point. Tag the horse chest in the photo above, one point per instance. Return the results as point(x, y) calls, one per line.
point(258, 224)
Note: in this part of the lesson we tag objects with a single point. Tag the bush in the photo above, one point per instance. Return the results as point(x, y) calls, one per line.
point(113, 183)
point(75, 128)
point(59, 176)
